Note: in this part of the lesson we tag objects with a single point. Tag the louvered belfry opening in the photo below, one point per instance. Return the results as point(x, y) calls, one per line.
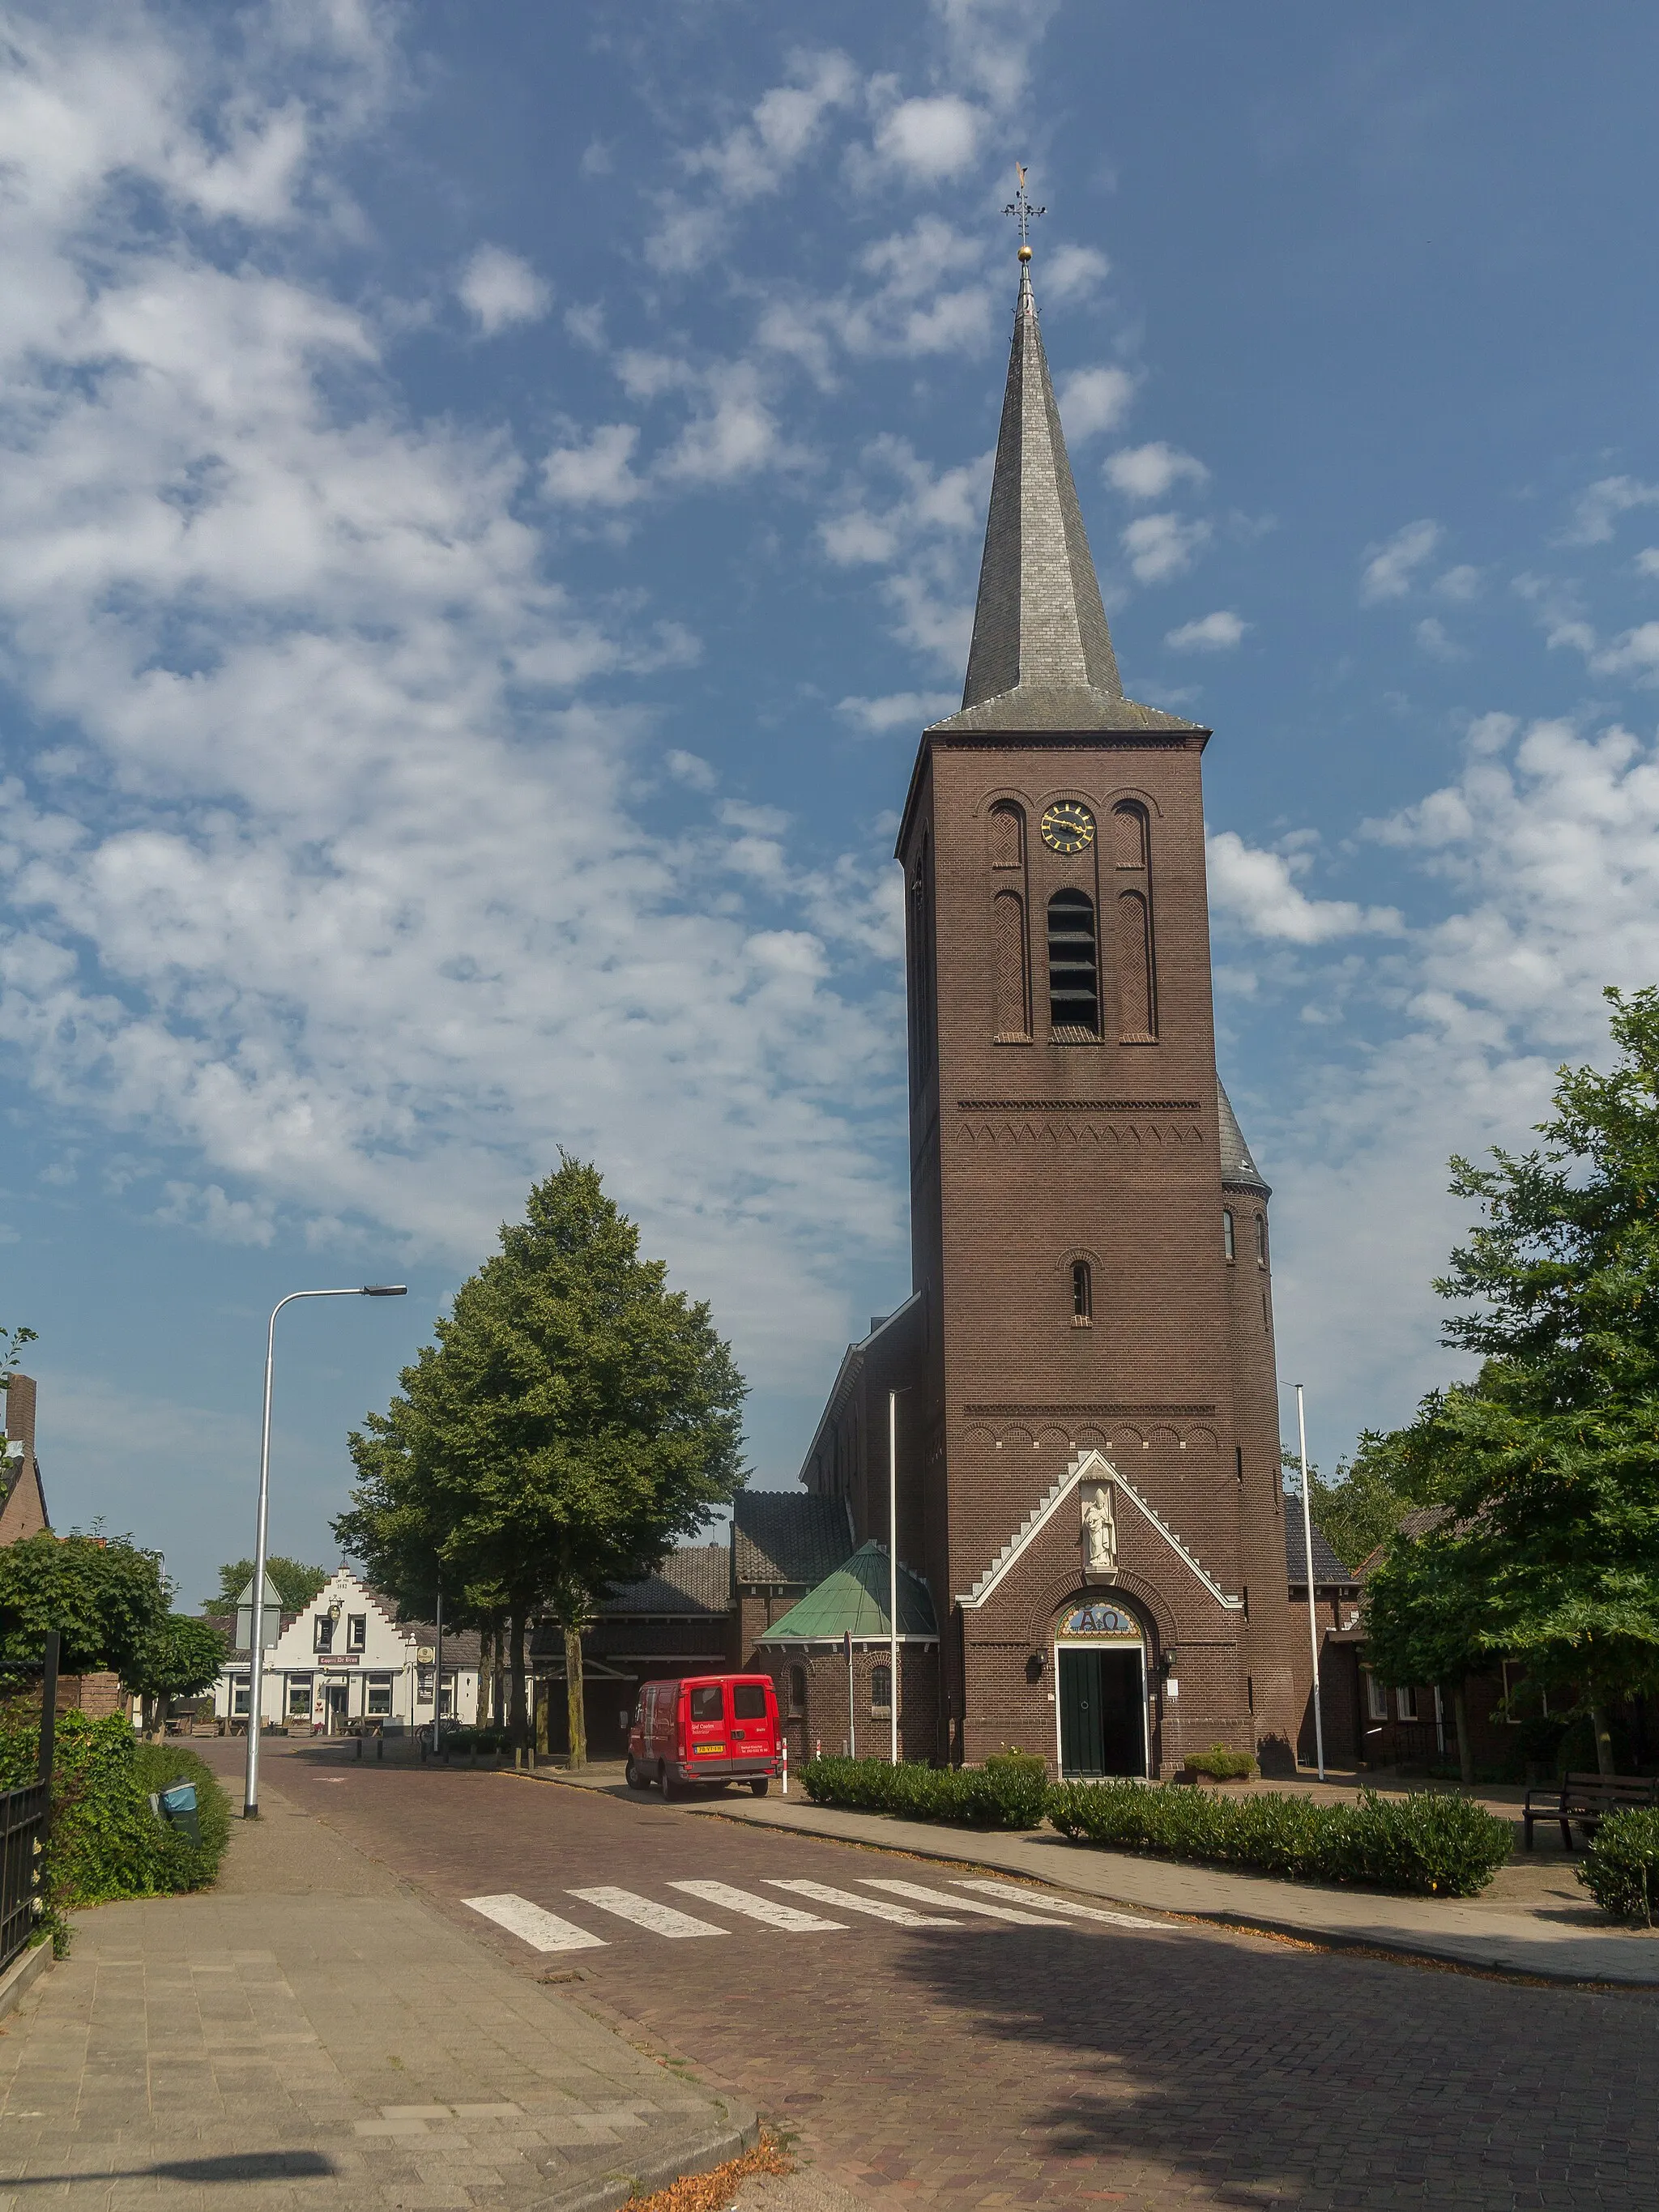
point(1074, 966)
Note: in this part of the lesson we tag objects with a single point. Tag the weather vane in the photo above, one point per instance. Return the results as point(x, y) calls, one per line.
point(1021, 205)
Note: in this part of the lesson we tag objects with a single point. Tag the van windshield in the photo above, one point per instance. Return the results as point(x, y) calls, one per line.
point(706, 1703)
point(749, 1701)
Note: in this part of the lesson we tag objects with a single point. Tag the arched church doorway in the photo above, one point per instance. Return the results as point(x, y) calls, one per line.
point(1100, 1692)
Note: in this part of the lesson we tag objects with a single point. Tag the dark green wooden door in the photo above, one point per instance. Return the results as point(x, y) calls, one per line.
point(1082, 1712)
point(1101, 1729)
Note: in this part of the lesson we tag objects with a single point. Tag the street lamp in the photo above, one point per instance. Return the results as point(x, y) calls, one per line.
point(1308, 1559)
point(257, 1657)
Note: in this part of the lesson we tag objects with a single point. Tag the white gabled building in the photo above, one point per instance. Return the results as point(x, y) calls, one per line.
point(346, 1660)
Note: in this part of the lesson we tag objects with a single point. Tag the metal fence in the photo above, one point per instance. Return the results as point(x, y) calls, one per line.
point(22, 1839)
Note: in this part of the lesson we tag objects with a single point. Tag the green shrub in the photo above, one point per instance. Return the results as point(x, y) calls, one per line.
point(105, 1841)
point(1221, 1764)
point(1442, 1845)
point(1011, 1790)
point(1620, 1869)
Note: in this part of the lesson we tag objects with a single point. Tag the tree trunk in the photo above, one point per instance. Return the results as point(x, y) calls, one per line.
point(497, 1673)
point(1465, 1748)
point(1603, 1739)
point(486, 1660)
point(543, 1716)
point(573, 1696)
point(521, 1714)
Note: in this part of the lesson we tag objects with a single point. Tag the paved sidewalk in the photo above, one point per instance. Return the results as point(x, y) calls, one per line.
point(311, 2032)
point(1536, 1920)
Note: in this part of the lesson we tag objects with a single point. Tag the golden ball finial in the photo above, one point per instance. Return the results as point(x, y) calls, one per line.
point(1024, 253)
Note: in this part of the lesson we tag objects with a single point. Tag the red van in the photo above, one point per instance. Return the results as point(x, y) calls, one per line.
point(705, 1728)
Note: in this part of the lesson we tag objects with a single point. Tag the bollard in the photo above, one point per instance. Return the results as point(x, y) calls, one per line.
point(380, 1745)
point(360, 1751)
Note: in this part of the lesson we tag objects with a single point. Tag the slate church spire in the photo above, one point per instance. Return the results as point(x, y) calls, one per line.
point(1042, 653)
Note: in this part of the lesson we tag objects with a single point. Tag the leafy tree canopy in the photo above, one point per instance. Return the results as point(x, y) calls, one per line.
point(180, 1658)
point(104, 1596)
point(1369, 1495)
point(1549, 1459)
point(294, 1582)
point(573, 1419)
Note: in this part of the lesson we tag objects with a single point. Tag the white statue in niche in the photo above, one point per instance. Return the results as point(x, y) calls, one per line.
point(1101, 1530)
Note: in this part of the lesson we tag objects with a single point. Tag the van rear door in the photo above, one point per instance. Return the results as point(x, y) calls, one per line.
point(706, 1724)
point(754, 1732)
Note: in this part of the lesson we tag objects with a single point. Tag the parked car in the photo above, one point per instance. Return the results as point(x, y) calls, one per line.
point(705, 1729)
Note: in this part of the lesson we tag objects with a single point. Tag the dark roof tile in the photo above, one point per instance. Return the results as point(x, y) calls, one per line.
point(1327, 1567)
point(694, 1580)
point(784, 1538)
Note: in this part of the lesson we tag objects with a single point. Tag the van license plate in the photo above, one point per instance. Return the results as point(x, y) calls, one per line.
point(701, 1750)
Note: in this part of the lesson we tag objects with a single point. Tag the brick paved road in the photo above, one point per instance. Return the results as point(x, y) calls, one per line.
point(1009, 2066)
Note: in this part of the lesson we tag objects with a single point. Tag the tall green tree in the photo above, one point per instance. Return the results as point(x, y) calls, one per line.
point(293, 1581)
point(1365, 1501)
point(105, 1596)
point(1549, 1461)
point(178, 1658)
point(574, 1418)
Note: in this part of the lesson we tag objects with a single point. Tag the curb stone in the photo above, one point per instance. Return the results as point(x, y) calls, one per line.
point(23, 1973)
point(740, 2131)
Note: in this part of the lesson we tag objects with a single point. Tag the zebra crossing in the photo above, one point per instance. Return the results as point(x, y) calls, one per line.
point(966, 1904)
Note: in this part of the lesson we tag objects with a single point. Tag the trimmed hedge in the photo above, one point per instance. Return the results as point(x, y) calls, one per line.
point(1620, 1869)
point(1011, 1790)
point(1220, 1764)
point(1442, 1846)
point(105, 1841)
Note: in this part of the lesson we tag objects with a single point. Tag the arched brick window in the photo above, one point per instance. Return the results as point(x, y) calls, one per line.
point(1132, 955)
point(1083, 1294)
point(1013, 1005)
point(797, 1692)
point(1074, 966)
point(1007, 835)
point(1229, 1243)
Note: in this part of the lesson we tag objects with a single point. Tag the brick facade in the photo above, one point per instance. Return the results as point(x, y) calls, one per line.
point(1049, 1136)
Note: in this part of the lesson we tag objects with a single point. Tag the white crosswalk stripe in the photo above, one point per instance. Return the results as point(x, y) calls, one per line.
point(877, 1908)
point(1045, 1903)
point(543, 1931)
point(936, 1897)
point(645, 1912)
point(768, 1909)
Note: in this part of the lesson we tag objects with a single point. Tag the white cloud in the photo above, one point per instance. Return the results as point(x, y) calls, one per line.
point(1436, 640)
point(1599, 506)
point(499, 288)
point(1091, 400)
point(351, 899)
point(931, 139)
point(1150, 472)
point(1647, 561)
point(1459, 584)
point(1072, 272)
point(1163, 546)
point(690, 769)
point(783, 126)
point(899, 710)
point(1393, 565)
point(1634, 653)
point(1256, 891)
point(597, 473)
point(734, 434)
point(1216, 633)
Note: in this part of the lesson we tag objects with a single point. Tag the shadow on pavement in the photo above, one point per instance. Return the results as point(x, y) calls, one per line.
point(235, 2165)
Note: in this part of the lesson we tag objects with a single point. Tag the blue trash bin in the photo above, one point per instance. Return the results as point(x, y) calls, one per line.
point(177, 1807)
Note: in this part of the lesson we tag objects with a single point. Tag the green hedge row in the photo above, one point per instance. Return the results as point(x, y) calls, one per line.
point(105, 1841)
point(1620, 1869)
point(1444, 1846)
point(1009, 1791)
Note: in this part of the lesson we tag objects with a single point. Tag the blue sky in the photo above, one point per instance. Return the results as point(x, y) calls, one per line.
point(489, 497)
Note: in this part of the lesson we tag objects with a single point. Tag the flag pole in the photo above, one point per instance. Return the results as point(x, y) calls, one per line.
point(1313, 1609)
point(892, 1579)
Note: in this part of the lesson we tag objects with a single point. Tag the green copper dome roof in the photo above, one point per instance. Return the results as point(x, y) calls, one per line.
point(855, 1598)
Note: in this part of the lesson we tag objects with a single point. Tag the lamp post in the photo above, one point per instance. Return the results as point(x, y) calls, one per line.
point(256, 1656)
point(1308, 1559)
point(892, 1579)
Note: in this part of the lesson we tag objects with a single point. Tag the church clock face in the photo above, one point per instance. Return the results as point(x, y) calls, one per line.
point(1068, 827)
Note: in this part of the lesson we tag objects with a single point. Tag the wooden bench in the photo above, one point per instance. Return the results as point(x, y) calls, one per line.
point(1586, 1799)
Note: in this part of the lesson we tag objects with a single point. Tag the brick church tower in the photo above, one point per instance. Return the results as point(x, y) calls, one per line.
point(1089, 1478)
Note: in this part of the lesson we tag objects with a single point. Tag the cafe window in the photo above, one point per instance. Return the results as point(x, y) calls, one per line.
point(881, 1691)
point(322, 1637)
point(423, 1677)
point(447, 1698)
point(357, 1631)
point(298, 1697)
point(378, 1700)
point(242, 1698)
